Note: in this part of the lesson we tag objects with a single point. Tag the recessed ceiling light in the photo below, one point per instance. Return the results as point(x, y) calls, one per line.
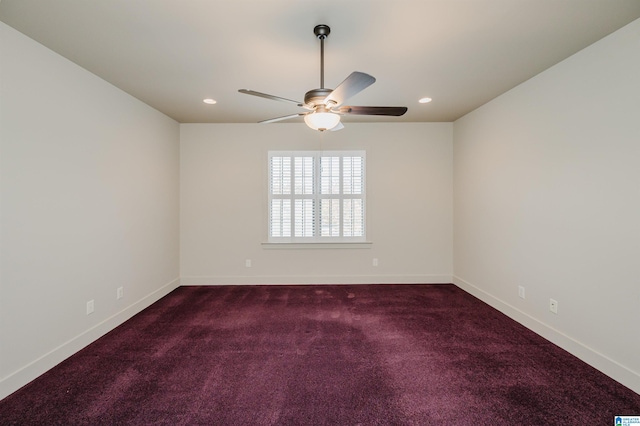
point(425, 100)
point(209, 101)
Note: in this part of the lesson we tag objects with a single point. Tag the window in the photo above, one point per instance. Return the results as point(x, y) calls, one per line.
point(316, 196)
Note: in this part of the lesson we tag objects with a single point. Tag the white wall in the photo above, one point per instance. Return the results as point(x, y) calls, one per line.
point(547, 196)
point(223, 213)
point(89, 202)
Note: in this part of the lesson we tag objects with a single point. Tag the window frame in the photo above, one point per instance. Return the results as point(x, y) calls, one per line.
point(316, 195)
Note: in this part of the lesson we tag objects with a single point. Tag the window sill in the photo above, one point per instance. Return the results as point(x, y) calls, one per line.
point(332, 245)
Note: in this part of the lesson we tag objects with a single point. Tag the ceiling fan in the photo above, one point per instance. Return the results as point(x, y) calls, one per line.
point(325, 105)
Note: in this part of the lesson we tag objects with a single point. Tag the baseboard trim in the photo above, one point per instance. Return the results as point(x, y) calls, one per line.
point(319, 279)
point(29, 372)
point(606, 365)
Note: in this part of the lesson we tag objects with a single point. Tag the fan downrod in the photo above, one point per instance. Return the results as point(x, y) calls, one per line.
point(321, 31)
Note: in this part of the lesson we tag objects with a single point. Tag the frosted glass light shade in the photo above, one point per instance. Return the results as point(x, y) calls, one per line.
point(322, 120)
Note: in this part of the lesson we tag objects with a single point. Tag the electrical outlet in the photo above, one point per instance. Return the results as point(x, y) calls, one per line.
point(90, 307)
point(375, 261)
point(247, 263)
point(119, 293)
point(521, 291)
point(553, 306)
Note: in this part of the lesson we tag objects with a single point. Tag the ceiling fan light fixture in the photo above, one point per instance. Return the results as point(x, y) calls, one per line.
point(322, 120)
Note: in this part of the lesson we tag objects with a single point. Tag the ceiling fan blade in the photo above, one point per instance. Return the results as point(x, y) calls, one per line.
point(372, 110)
point(286, 117)
point(267, 96)
point(355, 83)
point(339, 126)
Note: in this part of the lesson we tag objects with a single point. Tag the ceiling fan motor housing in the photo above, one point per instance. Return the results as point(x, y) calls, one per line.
point(316, 97)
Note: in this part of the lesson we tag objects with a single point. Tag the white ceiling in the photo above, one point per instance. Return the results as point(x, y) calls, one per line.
point(173, 53)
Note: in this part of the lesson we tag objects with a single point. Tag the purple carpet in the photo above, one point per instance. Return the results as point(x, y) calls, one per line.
point(320, 355)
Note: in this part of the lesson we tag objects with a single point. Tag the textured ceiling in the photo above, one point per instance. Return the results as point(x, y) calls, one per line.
point(173, 53)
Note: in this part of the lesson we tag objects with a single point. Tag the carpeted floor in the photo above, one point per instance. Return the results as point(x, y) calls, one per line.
point(320, 355)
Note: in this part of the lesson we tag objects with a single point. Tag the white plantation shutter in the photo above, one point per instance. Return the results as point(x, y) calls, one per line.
point(353, 190)
point(303, 214)
point(280, 218)
point(353, 217)
point(280, 204)
point(316, 196)
point(304, 220)
point(330, 217)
